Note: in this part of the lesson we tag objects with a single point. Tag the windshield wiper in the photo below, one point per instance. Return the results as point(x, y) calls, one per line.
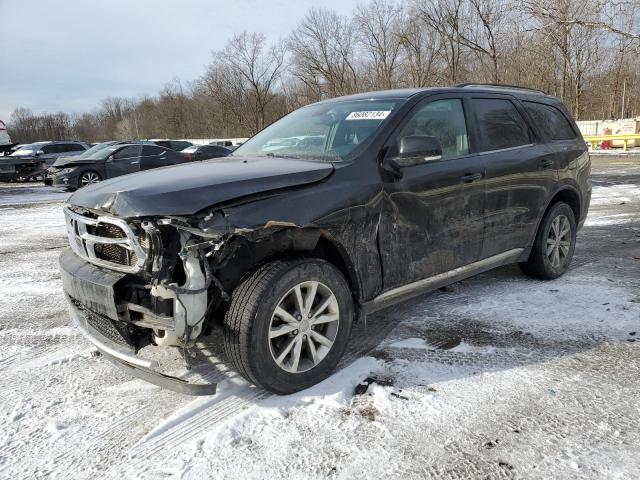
point(277, 155)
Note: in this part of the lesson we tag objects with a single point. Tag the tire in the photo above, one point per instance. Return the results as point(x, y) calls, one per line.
point(251, 318)
point(543, 265)
point(88, 178)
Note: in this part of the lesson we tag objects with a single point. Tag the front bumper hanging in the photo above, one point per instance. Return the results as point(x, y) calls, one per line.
point(126, 359)
point(90, 291)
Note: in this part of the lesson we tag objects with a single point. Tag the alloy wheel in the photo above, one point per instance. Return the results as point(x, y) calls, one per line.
point(559, 241)
point(89, 178)
point(304, 327)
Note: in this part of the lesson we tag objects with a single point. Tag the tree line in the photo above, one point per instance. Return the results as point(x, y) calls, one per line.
point(584, 51)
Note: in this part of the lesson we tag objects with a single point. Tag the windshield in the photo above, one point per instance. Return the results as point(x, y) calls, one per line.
point(324, 131)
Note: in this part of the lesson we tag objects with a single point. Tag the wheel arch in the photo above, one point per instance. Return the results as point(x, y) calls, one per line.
point(567, 194)
point(251, 252)
point(329, 249)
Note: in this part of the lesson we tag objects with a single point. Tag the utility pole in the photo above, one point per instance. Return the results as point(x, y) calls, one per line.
point(624, 91)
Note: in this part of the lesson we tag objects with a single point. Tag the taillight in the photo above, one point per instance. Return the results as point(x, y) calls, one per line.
point(187, 156)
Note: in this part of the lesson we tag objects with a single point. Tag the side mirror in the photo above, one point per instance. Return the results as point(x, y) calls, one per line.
point(40, 152)
point(413, 150)
point(418, 149)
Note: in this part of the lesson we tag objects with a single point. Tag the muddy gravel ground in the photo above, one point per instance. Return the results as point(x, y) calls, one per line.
point(498, 376)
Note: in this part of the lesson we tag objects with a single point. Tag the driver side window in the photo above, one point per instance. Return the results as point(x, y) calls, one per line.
point(444, 120)
point(128, 152)
point(47, 149)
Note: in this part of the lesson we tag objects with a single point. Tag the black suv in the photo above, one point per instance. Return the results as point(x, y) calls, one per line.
point(337, 210)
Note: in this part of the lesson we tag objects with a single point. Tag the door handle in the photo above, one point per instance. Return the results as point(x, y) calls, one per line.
point(471, 177)
point(545, 163)
point(135, 163)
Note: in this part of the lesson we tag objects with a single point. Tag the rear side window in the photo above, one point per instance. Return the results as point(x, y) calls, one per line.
point(217, 150)
point(72, 147)
point(50, 149)
point(499, 123)
point(550, 121)
point(180, 145)
point(149, 150)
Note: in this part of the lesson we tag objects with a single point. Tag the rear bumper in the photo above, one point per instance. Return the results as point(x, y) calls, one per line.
point(29, 168)
point(7, 171)
point(584, 211)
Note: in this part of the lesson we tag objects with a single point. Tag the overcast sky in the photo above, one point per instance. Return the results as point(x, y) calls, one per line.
point(69, 54)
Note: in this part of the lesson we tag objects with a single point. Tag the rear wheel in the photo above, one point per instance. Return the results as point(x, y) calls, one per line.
point(288, 324)
point(88, 178)
point(554, 244)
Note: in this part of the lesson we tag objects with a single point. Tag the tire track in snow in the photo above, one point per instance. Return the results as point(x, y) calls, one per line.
point(201, 422)
point(365, 337)
point(196, 419)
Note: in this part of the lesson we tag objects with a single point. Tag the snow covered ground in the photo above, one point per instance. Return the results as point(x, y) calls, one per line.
point(498, 376)
point(29, 193)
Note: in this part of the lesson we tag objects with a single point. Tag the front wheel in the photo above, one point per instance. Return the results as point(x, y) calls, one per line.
point(88, 178)
point(288, 324)
point(554, 244)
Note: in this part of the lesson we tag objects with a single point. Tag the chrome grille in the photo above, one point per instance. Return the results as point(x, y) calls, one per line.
point(105, 241)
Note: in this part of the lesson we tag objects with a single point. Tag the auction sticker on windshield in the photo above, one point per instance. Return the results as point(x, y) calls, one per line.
point(369, 115)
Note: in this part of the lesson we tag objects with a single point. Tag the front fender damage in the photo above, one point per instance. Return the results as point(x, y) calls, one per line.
point(214, 253)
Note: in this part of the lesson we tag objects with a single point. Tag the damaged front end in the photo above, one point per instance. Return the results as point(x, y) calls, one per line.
point(139, 283)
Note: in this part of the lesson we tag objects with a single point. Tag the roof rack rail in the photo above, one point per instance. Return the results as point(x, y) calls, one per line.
point(498, 85)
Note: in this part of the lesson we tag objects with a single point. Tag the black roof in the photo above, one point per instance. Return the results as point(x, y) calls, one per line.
point(405, 93)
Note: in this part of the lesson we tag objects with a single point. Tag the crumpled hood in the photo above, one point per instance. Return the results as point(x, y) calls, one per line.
point(190, 187)
point(62, 162)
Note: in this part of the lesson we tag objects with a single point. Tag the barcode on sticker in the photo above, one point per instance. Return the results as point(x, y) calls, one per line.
point(369, 115)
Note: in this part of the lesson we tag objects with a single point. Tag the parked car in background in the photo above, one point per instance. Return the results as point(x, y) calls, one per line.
point(14, 147)
point(175, 145)
point(32, 160)
point(7, 170)
point(109, 162)
point(62, 161)
point(5, 141)
point(204, 152)
point(223, 143)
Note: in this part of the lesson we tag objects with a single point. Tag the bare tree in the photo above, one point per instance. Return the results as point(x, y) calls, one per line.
point(378, 26)
point(619, 17)
point(420, 51)
point(444, 17)
point(585, 51)
point(481, 29)
point(258, 69)
point(323, 53)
